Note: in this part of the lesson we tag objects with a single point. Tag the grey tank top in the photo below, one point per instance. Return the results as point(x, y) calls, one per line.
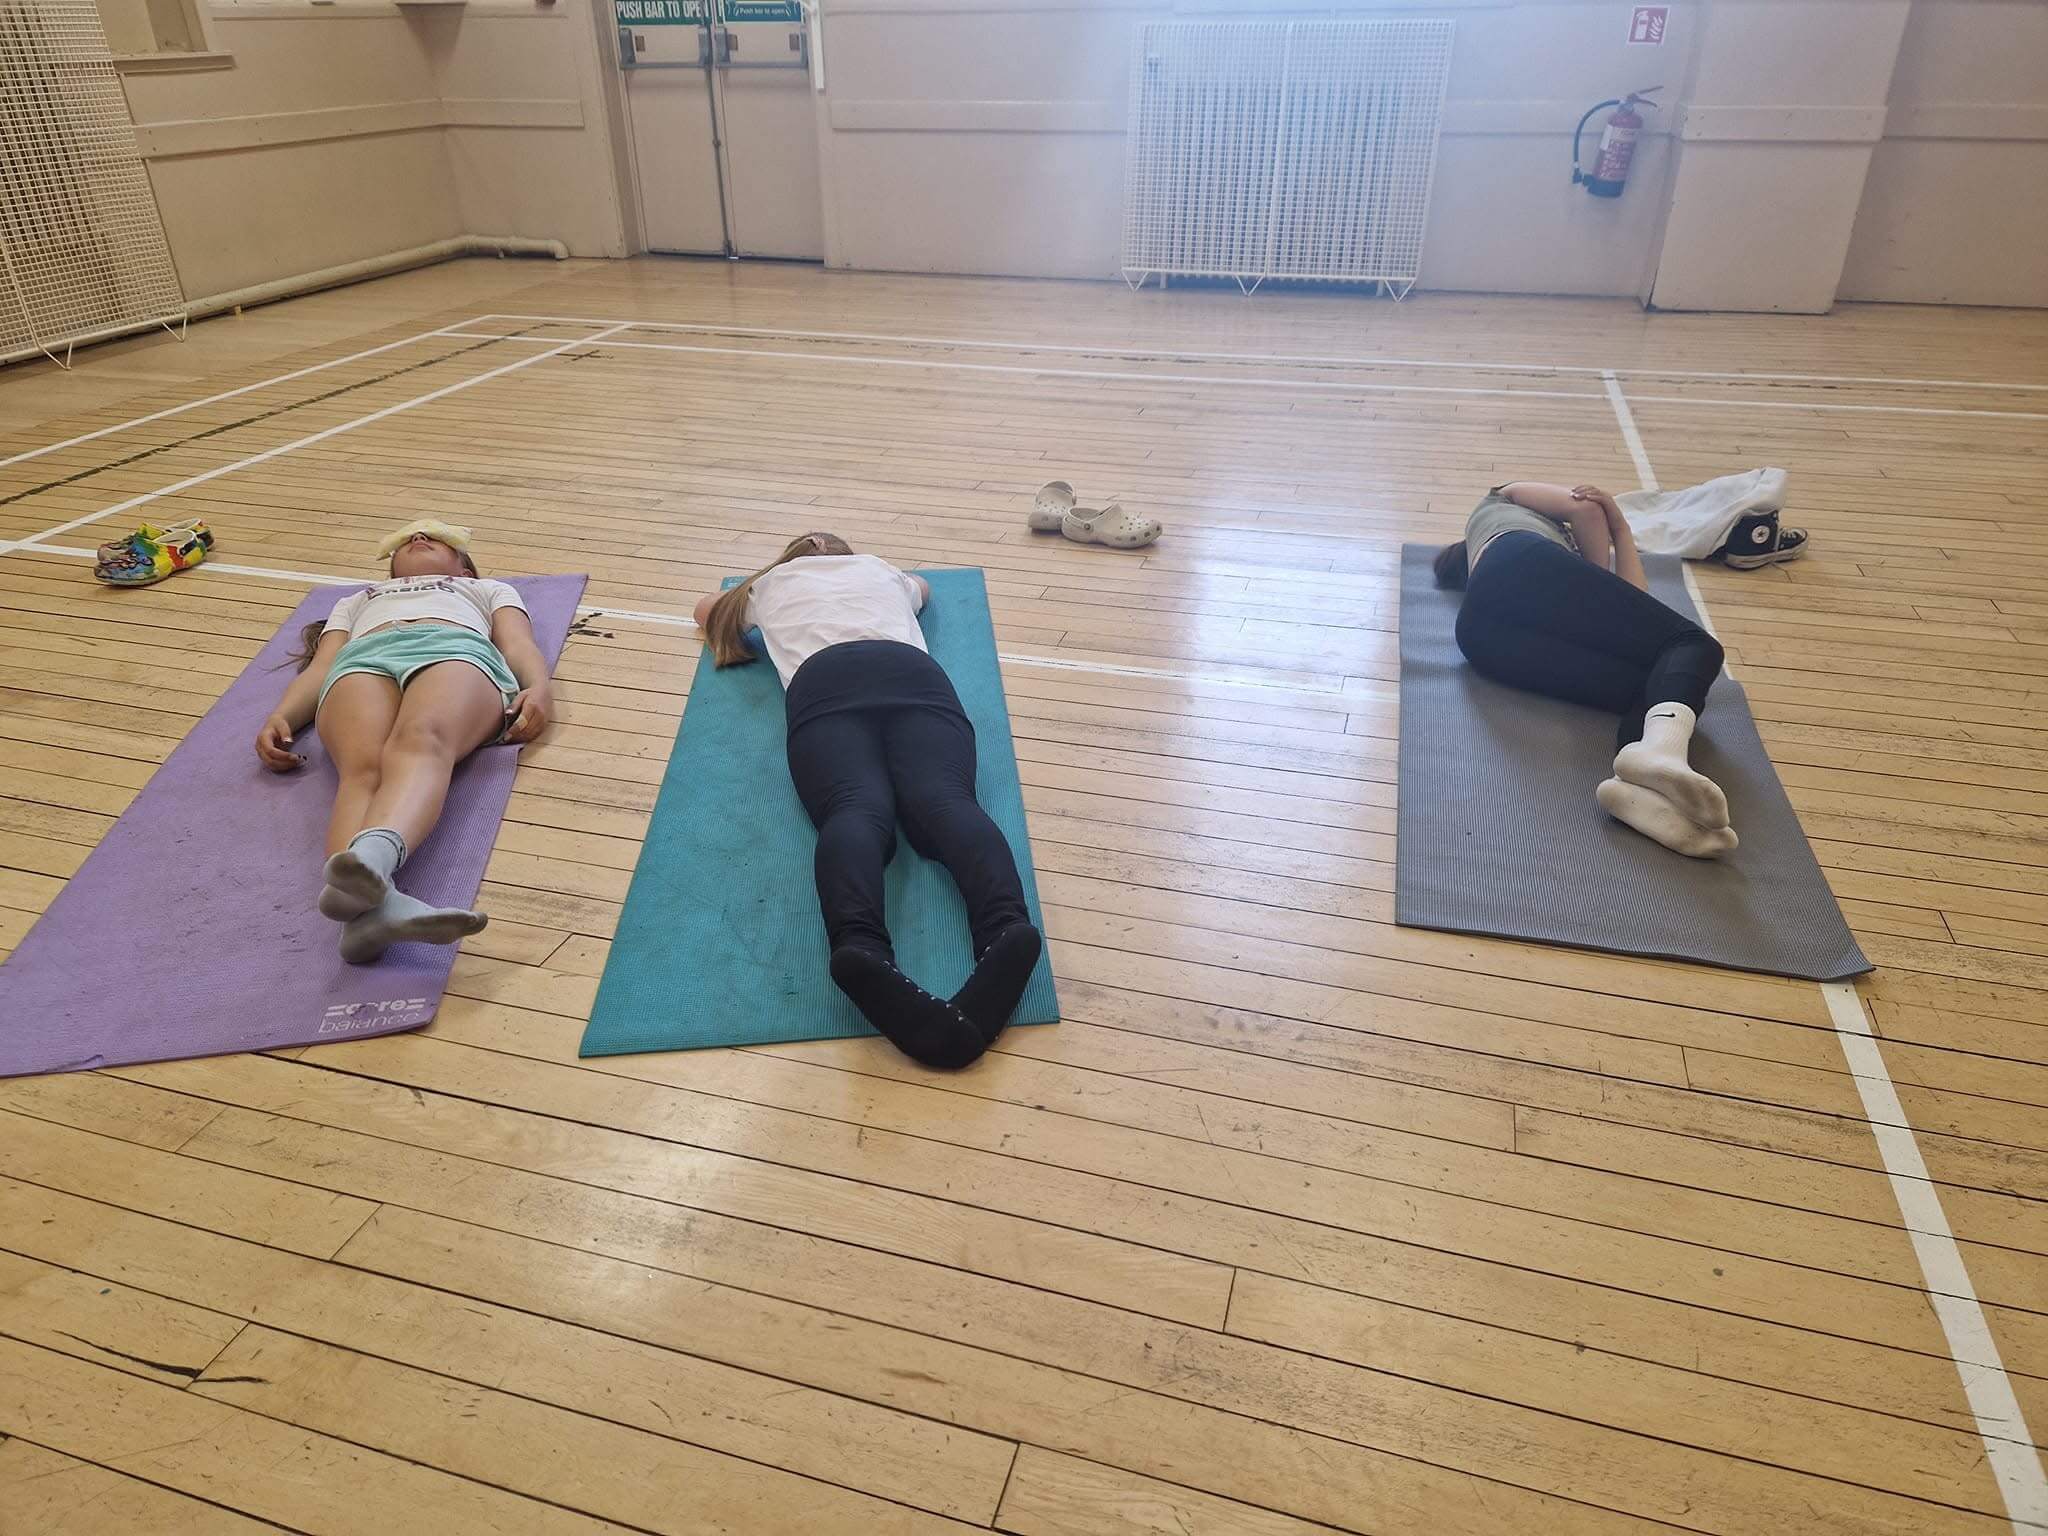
point(1497, 515)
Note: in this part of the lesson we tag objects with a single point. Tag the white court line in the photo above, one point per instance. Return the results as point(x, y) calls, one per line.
point(1277, 357)
point(1116, 375)
point(676, 621)
point(297, 443)
point(31, 547)
point(1838, 405)
point(1122, 376)
point(316, 578)
point(226, 394)
point(2000, 1421)
point(1170, 674)
point(1646, 477)
point(2001, 1424)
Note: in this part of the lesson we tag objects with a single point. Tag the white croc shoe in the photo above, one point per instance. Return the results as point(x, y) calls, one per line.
point(1053, 511)
point(1049, 508)
point(1112, 526)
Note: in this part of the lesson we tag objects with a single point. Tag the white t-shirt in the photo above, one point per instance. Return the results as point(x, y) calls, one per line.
point(466, 600)
point(819, 600)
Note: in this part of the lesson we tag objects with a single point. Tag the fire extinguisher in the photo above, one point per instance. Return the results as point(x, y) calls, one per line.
point(1617, 144)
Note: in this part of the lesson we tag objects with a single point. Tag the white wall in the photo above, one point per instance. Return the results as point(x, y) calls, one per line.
point(987, 136)
point(239, 210)
point(1880, 149)
point(318, 136)
point(529, 143)
point(1955, 210)
point(1785, 101)
point(960, 136)
point(1505, 217)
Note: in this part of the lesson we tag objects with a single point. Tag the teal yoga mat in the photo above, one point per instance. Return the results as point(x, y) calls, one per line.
point(720, 942)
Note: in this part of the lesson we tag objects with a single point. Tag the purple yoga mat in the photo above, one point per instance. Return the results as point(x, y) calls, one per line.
point(191, 928)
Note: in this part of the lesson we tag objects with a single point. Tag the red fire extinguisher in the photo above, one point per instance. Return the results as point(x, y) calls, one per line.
point(1617, 144)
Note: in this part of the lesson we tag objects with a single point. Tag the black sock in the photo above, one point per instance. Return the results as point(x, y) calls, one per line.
point(924, 1028)
point(990, 995)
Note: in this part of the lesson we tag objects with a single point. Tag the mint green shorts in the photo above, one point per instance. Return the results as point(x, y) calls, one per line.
point(401, 650)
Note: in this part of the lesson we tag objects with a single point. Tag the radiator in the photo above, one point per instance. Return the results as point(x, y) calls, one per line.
point(82, 249)
point(1294, 151)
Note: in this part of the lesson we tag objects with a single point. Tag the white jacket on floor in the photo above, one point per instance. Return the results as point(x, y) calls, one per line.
point(1696, 521)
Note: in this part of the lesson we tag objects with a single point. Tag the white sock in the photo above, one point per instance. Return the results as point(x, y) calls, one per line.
point(1659, 820)
point(359, 876)
point(400, 919)
point(1658, 762)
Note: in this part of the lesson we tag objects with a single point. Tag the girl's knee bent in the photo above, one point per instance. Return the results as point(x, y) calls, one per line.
point(1697, 651)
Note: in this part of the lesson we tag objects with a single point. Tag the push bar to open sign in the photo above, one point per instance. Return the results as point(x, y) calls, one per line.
point(695, 13)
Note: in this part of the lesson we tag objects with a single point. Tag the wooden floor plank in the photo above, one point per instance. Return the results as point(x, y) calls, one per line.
point(740, 1417)
point(1302, 1221)
point(59, 1495)
point(179, 1440)
point(509, 1441)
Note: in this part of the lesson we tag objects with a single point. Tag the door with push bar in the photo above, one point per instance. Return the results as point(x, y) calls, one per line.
point(723, 125)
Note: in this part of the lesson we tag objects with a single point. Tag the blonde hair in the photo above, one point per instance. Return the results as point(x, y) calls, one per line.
point(725, 626)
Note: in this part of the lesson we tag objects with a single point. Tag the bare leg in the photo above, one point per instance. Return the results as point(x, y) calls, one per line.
point(354, 721)
point(449, 710)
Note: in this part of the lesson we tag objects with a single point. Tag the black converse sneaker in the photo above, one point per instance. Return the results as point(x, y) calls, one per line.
point(1791, 545)
point(1753, 542)
point(1745, 556)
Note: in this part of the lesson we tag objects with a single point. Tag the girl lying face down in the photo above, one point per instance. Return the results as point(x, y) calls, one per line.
point(877, 737)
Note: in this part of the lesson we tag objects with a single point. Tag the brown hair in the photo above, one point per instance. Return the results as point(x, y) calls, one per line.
point(309, 637)
point(1452, 565)
point(725, 626)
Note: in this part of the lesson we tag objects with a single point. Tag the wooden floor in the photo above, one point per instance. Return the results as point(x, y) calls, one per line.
point(1299, 1220)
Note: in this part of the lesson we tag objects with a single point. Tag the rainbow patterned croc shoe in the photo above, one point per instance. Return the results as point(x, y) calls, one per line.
point(150, 554)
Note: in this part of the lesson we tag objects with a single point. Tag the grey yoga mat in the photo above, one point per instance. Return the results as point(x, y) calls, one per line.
point(1499, 833)
point(191, 930)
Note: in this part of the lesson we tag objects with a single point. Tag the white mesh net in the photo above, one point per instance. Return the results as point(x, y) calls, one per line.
point(82, 249)
point(1283, 150)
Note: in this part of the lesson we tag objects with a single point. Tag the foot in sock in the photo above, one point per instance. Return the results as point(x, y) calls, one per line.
point(359, 876)
point(344, 905)
point(1661, 821)
point(924, 1028)
point(1658, 762)
point(990, 995)
point(399, 919)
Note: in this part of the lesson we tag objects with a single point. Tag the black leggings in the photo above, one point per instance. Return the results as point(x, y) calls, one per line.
point(1537, 616)
point(876, 732)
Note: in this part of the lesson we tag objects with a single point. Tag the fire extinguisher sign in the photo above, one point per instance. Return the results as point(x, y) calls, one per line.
point(1648, 23)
